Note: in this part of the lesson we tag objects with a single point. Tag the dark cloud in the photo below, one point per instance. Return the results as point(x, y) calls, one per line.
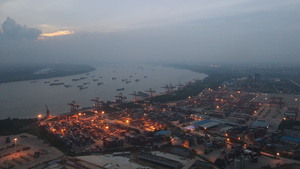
point(13, 31)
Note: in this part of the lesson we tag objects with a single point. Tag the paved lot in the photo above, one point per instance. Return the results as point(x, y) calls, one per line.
point(25, 158)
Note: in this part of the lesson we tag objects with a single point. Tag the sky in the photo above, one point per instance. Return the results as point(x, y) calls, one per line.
point(152, 31)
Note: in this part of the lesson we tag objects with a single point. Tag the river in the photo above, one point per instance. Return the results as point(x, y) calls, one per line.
point(27, 99)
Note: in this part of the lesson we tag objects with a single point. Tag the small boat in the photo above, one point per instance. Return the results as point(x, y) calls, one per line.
point(47, 82)
point(128, 82)
point(67, 86)
point(100, 83)
point(136, 80)
point(86, 83)
point(120, 89)
point(54, 84)
point(114, 78)
point(145, 76)
point(76, 79)
point(56, 80)
point(83, 78)
point(83, 88)
point(96, 80)
point(80, 86)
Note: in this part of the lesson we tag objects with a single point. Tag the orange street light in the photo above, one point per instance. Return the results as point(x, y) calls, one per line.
point(278, 154)
point(15, 145)
point(127, 121)
point(106, 127)
point(39, 116)
point(102, 112)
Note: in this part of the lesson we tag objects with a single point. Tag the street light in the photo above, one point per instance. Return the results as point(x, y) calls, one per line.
point(15, 145)
point(39, 116)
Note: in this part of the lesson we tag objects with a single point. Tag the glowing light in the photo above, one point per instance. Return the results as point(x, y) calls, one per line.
point(239, 92)
point(189, 97)
point(79, 114)
point(284, 118)
point(204, 128)
point(15, 139)
point(39, 116)
point(296, 99)
point(227, 139)
point(127, 121)
point(239, 138)
point(58, 33)
point(277, 154)
point(102, 112)
point(226, 135)
point(106, 127)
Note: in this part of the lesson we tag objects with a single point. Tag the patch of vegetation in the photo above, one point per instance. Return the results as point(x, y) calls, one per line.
point(16, 126)
point(288, 124)
point(29, 72)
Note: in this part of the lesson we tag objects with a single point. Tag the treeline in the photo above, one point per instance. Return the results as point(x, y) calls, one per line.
point(16, 126)
point(21, 73)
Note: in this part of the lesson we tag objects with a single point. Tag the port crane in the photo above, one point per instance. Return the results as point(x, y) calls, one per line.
point(151, 92)
point(47, 111)
point(166, 87)
point(171, 87)
point(74, 106)
point(98, 102)
point(121, 97)
point(180, 86)
point(135, 95)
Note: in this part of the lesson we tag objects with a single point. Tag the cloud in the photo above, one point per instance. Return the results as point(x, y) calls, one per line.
point(13, 31)
point(58, 33)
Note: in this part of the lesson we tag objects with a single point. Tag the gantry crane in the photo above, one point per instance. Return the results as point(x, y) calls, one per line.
point(98, 102)
point(74, 106)
point(151, 92)
point(121, 97)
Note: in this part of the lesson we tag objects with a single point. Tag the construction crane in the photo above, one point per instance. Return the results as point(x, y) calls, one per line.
point(150, 91)
point(98, 102)
point(121, 97)
point(74, 106)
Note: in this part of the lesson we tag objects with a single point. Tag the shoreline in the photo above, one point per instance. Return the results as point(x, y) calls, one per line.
point(30, 73)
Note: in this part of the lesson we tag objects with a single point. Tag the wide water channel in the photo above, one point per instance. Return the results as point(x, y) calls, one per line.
point(27, 99)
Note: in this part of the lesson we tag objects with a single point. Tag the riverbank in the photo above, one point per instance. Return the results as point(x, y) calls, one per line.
point(40, 71)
